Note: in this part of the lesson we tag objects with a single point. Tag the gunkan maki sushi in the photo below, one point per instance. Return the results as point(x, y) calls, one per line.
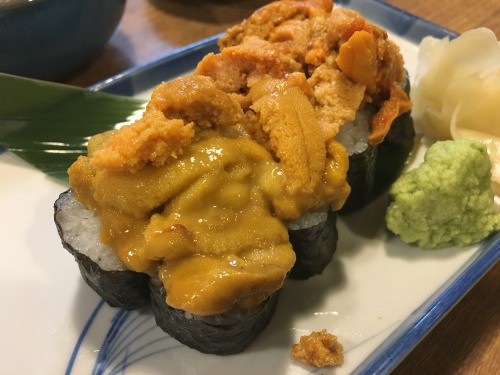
point(232, 179)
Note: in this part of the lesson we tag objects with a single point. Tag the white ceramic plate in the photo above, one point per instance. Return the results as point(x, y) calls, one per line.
point(379, 296)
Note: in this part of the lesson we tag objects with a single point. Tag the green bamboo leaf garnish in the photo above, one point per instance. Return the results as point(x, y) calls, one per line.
point(49, 124)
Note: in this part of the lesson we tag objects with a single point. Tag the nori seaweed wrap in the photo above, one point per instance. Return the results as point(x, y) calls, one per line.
point(117, 286)
point(393, 153)
point(223, 334)
point(361, 178)
point(372, 169)
point(314, 246)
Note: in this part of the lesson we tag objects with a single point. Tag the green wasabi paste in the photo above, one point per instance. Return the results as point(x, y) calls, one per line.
point(446, 201)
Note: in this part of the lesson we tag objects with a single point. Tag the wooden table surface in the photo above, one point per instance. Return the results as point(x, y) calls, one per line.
point(467, 340)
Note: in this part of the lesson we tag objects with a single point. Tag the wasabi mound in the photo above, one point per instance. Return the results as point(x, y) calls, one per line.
point(448, 200)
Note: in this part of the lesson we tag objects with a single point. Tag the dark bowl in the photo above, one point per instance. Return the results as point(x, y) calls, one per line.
point(48, 39)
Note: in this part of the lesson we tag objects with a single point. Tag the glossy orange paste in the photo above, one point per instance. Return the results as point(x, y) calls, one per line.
point(211, 223)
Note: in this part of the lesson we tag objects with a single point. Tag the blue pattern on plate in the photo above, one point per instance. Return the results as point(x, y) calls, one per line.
point(122, 346)
point(132, 337)
point(84, 332)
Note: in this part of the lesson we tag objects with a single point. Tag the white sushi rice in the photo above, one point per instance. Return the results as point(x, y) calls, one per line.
point(354, 135)
point(309, 219)
point(81, 227)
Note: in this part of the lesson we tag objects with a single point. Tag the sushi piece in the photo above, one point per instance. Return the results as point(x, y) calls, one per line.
point(78, 228)
point(373, 168)
point(314, 239)
point(223, 334)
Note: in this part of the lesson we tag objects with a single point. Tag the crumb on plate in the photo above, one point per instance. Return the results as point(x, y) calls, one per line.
point(319, 349)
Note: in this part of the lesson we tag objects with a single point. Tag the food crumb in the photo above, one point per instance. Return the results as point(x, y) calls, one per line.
point(319, 349)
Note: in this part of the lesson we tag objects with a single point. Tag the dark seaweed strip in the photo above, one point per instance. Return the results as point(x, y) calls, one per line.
point(395, 150)
point(223, 334)
point(123, 289)
point(393, 153)
point(314, 247)
point(361, 178)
